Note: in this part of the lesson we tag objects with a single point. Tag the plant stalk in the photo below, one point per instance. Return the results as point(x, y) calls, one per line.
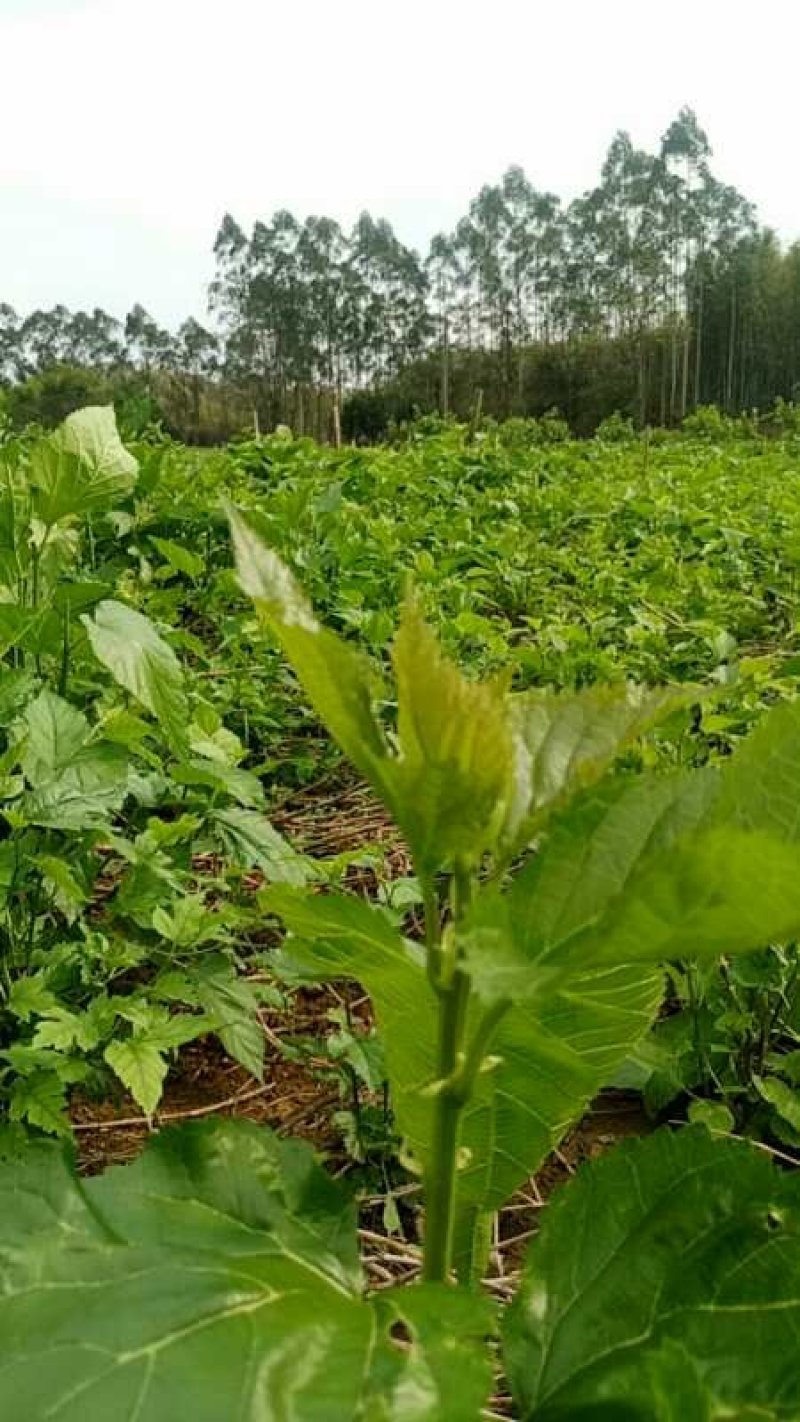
point(440, 1186)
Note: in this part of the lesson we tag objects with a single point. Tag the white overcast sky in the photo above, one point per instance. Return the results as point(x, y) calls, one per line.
point(130, 126)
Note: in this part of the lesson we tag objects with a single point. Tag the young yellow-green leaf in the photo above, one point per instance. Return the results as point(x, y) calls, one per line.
point(679, 1244)
point(141, 1067)
point(128, 645)
point(452, 777)
point(714, 1115)
point(785, 1099)
point(564, 741)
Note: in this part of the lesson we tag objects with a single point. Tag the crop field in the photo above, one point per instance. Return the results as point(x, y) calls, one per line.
point(399, 898)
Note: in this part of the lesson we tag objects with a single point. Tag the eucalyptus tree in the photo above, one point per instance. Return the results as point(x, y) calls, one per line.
point(688, 189)
point(531, 246)
point(95, 339)
point(387, 320)
point(148, 346)
point(44, 339)
point(9, 343)
point(322, 255)
point(444, 279)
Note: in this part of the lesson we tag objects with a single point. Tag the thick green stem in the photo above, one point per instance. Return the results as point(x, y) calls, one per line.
point(452, 988)
point(440, 1189)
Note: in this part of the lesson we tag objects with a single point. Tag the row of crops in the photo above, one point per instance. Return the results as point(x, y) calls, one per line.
point(568, 673)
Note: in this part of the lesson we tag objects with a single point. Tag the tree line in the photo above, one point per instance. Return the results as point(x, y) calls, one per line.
point(653, 293)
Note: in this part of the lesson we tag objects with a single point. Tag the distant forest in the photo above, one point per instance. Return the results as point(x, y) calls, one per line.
point(655, 292)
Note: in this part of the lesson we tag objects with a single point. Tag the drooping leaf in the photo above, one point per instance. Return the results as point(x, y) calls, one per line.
point(232, 1007)
point(218, 1274)
point(128, 645)
point(252, 842)
point(339, 682)
point(679, 1245)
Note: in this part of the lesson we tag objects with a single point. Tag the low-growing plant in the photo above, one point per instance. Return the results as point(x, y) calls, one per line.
point(114, 774)
point(729, 1045)
point(616, 429)
point(221, 1269)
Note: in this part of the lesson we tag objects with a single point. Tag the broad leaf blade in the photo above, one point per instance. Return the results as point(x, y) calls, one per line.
point(130, 648)
point(83, 468)
point(452, 778)
point(77, 781)
point(141, 1067)
point(680, 1242)
point(233, 1007)
point(564, 741)
point(92, 434)
point(217, 1276)
point(553, 1057)
point(252, 842)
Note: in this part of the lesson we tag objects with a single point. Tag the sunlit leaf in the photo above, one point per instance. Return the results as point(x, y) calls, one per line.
point(565, 741)
point(127, 643)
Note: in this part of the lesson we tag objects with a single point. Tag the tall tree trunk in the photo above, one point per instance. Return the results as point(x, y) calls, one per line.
point(731, 354)
point(445, 391)
point(698, 345)
point(642, 379)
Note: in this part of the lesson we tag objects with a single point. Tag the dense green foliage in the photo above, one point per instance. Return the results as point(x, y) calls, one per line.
point(146, 717)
